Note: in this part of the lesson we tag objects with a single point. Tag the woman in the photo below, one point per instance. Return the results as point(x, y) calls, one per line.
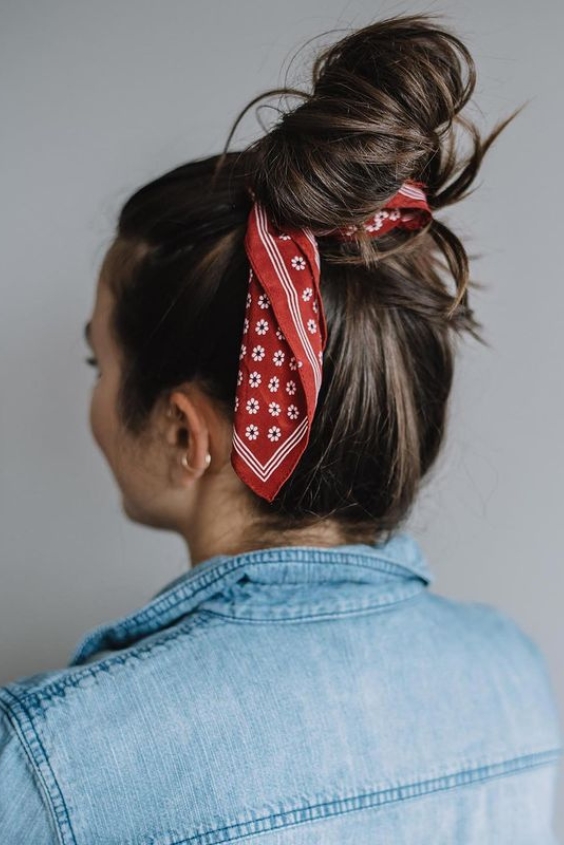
point(274, 332)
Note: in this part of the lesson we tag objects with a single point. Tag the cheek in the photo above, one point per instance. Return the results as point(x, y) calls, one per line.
point(119, 452)
point(101, 417)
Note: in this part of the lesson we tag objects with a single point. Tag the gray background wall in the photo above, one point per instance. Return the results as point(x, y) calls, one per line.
point(96, 99)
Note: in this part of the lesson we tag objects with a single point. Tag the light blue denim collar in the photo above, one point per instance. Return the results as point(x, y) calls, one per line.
point(400, 558)
point(401, 555)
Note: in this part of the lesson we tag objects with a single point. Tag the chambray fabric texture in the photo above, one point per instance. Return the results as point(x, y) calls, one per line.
point(287, 696)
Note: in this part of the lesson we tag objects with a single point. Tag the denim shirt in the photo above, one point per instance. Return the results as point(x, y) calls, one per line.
point(287, 696)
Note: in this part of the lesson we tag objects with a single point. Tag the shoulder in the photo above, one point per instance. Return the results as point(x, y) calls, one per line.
point(110, 695)
point(502, 661)
point(509, 643)
point(82, 731)
point(26, 811)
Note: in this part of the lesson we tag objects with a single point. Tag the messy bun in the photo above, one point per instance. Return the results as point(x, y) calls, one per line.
point(384, 108)
point(383, 100)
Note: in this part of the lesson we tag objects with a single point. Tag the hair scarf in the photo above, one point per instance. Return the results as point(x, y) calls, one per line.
point(284, 336)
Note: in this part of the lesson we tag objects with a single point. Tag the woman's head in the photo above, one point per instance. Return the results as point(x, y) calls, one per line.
point(172, 292)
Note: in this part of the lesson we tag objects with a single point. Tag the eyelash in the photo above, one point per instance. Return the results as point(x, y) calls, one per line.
point(92, 362)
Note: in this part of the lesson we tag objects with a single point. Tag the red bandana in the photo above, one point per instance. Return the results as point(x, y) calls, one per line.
point(284, 335)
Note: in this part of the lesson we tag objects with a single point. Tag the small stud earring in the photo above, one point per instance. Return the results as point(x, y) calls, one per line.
point(185, 463)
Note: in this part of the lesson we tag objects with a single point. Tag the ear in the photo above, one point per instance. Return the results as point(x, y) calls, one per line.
point(187, 433)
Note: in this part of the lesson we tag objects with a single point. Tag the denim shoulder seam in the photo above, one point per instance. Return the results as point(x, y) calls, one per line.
point(40, 698)
point(23, 726)
point(315, 812)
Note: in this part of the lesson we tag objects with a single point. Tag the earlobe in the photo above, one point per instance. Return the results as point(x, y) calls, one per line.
point(188, 433)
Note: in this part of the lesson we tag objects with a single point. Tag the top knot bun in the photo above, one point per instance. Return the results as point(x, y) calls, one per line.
point(381, 111)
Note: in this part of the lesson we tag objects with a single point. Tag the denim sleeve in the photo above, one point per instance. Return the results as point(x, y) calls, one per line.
point(24, 816)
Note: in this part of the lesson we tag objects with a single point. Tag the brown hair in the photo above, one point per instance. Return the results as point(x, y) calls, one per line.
point(384, 107)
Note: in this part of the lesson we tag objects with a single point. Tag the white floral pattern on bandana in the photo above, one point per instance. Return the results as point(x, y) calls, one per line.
point(281, 355)
point(284, 335)
point(407, 209)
